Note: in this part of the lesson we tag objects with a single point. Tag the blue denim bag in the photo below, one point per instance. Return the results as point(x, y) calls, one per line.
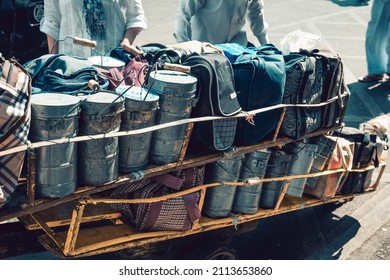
point(62, 74)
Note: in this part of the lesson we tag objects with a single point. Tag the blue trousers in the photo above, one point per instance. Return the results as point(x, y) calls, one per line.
point(378, 38)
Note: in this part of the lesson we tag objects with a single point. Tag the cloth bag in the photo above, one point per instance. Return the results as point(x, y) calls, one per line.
point(134, 73)
point(62, 74)
point(172, 214)
point(15, 118)
point(216, 97)
point(342, 157)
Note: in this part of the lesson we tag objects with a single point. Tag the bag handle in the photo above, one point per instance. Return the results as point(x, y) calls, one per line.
point(347, 164)
point(169, 181)
point(191, 201)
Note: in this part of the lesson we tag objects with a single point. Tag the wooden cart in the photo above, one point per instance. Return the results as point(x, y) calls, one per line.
point(83, 223)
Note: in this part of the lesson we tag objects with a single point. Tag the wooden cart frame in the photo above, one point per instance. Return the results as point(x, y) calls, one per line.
point(66, 236)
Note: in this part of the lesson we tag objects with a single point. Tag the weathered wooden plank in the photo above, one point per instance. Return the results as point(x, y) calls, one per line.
point(60, 215)
point(109, 238)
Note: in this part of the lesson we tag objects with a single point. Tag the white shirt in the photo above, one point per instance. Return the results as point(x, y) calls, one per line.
point(63, 18)
point(219, 21)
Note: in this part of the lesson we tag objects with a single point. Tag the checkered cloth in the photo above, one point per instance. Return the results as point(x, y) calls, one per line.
point(173, 214)
point(15, 116)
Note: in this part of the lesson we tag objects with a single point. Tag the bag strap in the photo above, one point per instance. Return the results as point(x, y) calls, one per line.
point(365, 142)
point(347, 164)
point(191, 201)
point(169, 181)
point(153, 211)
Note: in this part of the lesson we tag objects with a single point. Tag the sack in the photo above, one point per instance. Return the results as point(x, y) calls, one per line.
point(259, 79)
point(296, 40)
point(328, 185)
point(134, 73)
point(304, 83)
point(366, 152)
point(173, 214)
point(216, 97)
point(15, 118)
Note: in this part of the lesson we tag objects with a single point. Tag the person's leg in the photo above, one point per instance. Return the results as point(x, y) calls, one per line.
point(376, 42)
point(388, 44)
point(387, 37)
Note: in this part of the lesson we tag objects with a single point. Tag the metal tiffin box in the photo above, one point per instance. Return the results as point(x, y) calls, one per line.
point(140, 112)
point(176, 91)
point(55, 116)
point(98, 158)
point(219, 200)
point(247, 198)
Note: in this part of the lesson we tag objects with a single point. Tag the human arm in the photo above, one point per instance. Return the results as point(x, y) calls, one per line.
point(128, 39)
point(52, 45)
point(182, 25)
point(135, 23)
point(257, 21)
point(50, 24)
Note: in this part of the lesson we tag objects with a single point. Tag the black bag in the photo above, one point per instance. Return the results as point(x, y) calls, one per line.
point(313, 77)
point(304, 83)
point(259, 79)
point(216, 97)
point(366, 152)
point(334, 86)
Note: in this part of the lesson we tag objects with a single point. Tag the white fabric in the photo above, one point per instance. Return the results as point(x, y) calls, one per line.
point(219, 21)
point(63, 18)
point(378, 38)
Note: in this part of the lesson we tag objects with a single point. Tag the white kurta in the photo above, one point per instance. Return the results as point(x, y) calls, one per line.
point(64, 18)
point(219, 21)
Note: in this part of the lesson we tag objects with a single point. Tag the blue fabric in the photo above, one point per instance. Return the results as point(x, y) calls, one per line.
point(378, 38)
point(62, 74)
point(233, 50)
point(260, 78)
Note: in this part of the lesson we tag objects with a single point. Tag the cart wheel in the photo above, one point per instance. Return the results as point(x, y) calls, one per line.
point(223, 253)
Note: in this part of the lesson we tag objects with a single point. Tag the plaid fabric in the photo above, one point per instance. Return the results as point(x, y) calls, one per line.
point(15, 116)
point(171, 214)
point(224, 132)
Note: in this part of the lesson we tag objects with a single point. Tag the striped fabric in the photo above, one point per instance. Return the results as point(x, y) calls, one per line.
point(15, 116)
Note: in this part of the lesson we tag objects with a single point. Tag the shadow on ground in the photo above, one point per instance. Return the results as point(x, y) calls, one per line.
point(309, 234)
point(347, 3)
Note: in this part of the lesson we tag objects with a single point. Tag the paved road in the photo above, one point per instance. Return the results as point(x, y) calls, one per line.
point(359, 229)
